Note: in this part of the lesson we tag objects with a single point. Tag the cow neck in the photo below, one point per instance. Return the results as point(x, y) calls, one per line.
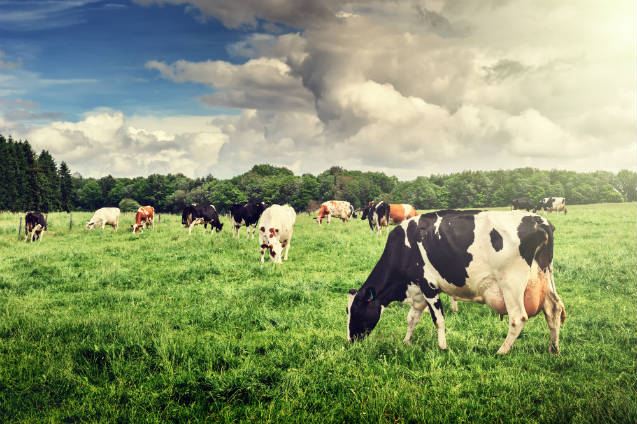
point(387, 284)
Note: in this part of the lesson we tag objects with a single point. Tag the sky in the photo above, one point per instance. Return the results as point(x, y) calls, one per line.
point(409, 88)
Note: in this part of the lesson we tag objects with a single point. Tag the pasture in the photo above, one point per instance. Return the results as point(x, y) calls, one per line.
point(162, 326)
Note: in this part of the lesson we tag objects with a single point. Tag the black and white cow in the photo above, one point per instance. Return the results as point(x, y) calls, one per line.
point(377, 213)
point(247, 214)
point(34, 225)
point(522, 204)
point(550, 204)
point(201, 214)
point(501, 258)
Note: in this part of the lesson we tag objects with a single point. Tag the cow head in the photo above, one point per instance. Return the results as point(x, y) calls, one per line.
point(363, 313)
point(90, 225)
point(218, 227)
point(186, 217)
point(274, 244)
point(366, 210)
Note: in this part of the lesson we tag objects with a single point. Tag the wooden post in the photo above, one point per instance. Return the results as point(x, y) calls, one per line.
point(158, 218)
point(70, 221)
point(20, 227)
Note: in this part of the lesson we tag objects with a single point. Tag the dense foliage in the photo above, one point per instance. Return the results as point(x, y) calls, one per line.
point(30, 181)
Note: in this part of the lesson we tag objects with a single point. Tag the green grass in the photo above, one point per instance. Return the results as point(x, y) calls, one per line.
point(162, 326)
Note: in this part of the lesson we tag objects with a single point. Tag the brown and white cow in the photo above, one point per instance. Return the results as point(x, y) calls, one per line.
point(337, 208)
point(145, 216)
point(275, 231)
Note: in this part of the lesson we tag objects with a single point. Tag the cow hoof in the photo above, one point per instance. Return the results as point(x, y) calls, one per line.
point(407, 342)
point(554, 349)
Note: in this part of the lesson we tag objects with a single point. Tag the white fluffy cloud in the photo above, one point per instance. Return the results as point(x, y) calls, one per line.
point(421, 87)
point(407, 87)
point(106, 142)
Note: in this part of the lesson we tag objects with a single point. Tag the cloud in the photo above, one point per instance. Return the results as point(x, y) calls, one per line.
point(105, 142)
point(408, 87)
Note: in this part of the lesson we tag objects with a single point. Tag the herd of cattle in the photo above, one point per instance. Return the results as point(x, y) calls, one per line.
point(500, 258)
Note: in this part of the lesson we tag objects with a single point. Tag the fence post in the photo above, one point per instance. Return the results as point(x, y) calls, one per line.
point(70, 221)
point(20, 227)
point(158, 218)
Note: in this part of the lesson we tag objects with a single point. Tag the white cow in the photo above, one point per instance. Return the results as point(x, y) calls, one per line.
point(337, 208)
point(103, 217)
point(275, 231)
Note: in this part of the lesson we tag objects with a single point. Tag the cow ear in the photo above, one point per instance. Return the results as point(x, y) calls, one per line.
point(370, 294)
point(353, 291)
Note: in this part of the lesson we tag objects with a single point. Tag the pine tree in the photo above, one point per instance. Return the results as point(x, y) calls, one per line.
point(48, 182)
point(66, 187)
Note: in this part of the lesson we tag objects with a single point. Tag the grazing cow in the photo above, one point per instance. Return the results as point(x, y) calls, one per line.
point(145, 216)
point(201, 214)
point(337, 208)
point(522, 204)
point(103, 217)
point(34, 225)
point(550, 204)
point(382, 214)
point(275, 231)
point(501, 258)
point(247, 214)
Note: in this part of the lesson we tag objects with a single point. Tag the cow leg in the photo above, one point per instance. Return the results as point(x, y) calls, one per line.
point(262, 254)
point(555, 314)
point(413, 317)
point(513, 289)
point(454, 304)
point(287, 247)
point(438, 316)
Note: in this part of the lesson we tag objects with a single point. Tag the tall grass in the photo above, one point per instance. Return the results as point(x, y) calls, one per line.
point(163, 326)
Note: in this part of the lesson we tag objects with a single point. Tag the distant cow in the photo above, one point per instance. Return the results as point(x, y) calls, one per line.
point(522, 204)
point(337, 208)
point(382, 214)
point(550, 204)
point(501, 258)
point(247, 214)
point(103, 217)
point(201, 214)
point(34, 226)
point(145, 215)
point(275, 231)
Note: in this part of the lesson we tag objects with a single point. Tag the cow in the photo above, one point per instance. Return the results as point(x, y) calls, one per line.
point(522, 204)
point(103, 217)
point(34, 226)
point(382, 214)
point(337, 208)
point(550, 204)
point(501, 258)
point(247, 214)
point(201, 214)
point(145, 215)
point(275, 231)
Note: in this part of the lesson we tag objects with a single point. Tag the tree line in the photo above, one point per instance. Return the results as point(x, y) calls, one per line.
point(29, 181)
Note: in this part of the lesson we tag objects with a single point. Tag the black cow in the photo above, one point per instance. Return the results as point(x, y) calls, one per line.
point(501, 258)
point(522, 204)
point(378, 216)
point(34, 225)
point(201, 214)
point(247, 214)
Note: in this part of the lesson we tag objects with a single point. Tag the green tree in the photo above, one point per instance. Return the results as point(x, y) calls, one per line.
point(90, 195)
point(129, 205)
point(66, 187)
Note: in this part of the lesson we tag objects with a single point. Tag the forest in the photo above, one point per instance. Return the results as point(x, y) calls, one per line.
point(31, 181)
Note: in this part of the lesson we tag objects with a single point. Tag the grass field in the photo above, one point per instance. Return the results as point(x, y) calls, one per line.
point(162, 326)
